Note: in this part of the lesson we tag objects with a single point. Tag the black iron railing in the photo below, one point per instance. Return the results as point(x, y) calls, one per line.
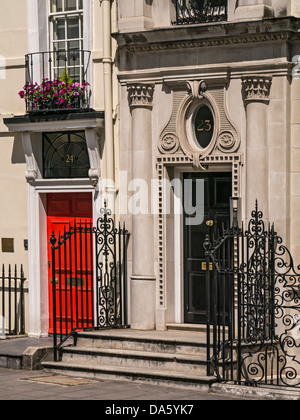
point(12, 301)
point(253, 316)
point(89, 268)
point(57, 80)
point(200, 11)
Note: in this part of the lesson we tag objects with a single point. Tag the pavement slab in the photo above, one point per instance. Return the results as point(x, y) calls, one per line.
point(27, 385)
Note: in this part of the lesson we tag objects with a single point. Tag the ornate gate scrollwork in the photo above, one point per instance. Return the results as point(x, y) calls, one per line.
point(260, 341)
point(109, 263)
point(96, 295)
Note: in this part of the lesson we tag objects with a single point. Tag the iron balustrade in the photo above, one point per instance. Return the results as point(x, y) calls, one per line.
point(89, 268)
point(12, 301)
point(253, 307)
point(45, 69)
point(200, 11)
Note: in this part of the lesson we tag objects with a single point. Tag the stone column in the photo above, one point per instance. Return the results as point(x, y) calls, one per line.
point(256, 95)
point(143, 290)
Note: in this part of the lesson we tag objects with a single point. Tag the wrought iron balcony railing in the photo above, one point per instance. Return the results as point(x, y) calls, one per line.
point(57, 81)
point(190, 12)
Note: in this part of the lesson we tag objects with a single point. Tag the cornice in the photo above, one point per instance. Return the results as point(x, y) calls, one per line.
point(209, 35)
point(211, 42)
point(215, 74)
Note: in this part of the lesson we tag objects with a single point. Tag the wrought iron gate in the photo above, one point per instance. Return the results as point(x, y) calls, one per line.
point(89, 268)
point(253, 320)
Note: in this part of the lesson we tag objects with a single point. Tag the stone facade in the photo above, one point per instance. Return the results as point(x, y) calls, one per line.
point(152, 79)
point(245, 70)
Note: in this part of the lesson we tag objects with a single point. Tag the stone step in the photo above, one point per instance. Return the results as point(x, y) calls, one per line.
point(200, 328)
point(164, 357)
point(168, 378)
point(192, 343)
point(196, 328)
point(136, 359)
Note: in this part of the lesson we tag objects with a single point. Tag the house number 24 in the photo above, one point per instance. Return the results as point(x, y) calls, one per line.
point(69, 158)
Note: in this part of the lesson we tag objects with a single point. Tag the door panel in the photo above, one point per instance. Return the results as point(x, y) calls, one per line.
point(73, 267)
point(209, 195)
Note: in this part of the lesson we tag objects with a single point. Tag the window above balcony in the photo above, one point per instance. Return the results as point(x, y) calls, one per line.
point(66, 34)
point(58, 75)
point(189, 12)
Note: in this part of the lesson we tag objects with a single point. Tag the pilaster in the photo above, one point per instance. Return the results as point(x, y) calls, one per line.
point(256, 91)
point(143, 284)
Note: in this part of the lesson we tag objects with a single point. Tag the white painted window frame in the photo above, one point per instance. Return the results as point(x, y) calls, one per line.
point(65, 14)
point(38, 12)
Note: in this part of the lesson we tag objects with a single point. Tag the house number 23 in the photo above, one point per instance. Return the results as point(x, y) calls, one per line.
point(204, 126)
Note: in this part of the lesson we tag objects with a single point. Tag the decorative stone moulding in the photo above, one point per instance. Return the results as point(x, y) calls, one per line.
point(140, 94)
point(178, 137)
point(169, 143)
point(196, 88)
point(257, 88)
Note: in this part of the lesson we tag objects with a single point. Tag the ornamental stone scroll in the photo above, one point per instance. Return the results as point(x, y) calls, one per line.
point(178, 136)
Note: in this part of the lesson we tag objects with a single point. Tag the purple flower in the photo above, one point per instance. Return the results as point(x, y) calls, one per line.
point(61, 92)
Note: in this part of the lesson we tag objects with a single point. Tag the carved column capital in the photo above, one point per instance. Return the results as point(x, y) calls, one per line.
point(257, 88)
point(140, 95)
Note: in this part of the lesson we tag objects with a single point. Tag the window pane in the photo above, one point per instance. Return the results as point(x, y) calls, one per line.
point(56, 6)
point(65, 155)
point(59, 28)
point(59, 47)
point(60, 58)
point(73, 53)
point(73, 27)
point(70, 5)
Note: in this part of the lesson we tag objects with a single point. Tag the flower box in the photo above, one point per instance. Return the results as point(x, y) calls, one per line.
point(54, 95)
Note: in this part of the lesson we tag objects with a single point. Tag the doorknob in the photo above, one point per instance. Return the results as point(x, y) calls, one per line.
point(209, 223)
point(56, 280)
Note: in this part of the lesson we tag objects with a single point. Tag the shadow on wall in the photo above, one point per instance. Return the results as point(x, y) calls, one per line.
point(18, 151)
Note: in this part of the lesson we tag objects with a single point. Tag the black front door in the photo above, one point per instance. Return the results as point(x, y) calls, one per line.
point(206, 202)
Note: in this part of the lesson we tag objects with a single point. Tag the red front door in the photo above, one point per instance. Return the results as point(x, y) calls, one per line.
point(73, 262)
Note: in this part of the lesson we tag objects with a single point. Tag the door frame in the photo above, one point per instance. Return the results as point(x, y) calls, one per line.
point(38, 246)
point(179, 235)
